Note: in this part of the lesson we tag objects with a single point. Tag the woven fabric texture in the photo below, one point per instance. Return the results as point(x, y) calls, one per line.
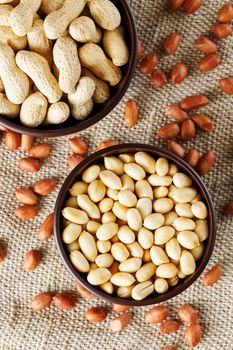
point(22, 329)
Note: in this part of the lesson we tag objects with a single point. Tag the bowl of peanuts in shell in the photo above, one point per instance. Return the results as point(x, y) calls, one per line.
point(134, 224)
point(65, 65)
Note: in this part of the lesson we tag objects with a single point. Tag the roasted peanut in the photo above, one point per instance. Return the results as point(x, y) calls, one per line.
point(44, 187)
point(179, 73)
point(64, 301)
point(205, 45)
point(206, 162)
point(12, 140)
point(169, 131)
point(203, 122)
point(157, 314)
point(74, 160)
point(188, 130)
point(221, 30)
point(131, 113)
point(193, 335)
point(213, 275)
point(192, 157)
point(225, 14)
point(174, 5)
point(188, 314)
point(191, 6)
point(193, 102)
point(26, 212)
point(226, 85)
point(176, 148)
point(119, 323)
point(30, 165)
point(168, 327)
point(41, 301)
point(46, 228)
point(174, 111)
point(172, 43)
point(41, 150)
point(209, 62)
point(26, 196)
point(95, 314)
point(148, 63)
point(31, 260)
point(158, 79)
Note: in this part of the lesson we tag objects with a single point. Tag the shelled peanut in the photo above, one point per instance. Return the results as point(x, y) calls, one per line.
point(185, 127)
point(79, 148)
point(74, 41)
point(29, 198)
point(129, 206)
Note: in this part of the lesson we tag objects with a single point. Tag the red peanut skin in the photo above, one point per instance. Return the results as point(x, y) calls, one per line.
point(221, 30)
point(174, 5)
point(169, 131)
point(209, 62)
point(174, 147)
point(158, 79)
point(157, 314)
point(191, 6)
point(229, 208)
point(226, 85)
point(192, 157)
point(193, 335)
point(193, 102)
point(188, 130)
point(131, 113)
point(148, 63)
point(205, 163)
point(225, 13)
point(205, 45)
point(203, 122)
point(179, 73)
point(213, 275)
point(172, 43)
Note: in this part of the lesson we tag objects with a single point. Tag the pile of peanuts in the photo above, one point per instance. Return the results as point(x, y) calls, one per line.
point(135, 225)
point(58, 58)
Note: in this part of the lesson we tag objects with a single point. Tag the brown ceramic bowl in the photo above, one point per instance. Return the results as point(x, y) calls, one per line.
point(102, 110)
point(156, 152)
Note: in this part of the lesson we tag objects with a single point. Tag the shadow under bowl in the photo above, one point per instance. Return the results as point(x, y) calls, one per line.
point(155, 152)
point(100, 110)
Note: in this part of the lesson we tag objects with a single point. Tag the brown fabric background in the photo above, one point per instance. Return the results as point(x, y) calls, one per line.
point(53, 329)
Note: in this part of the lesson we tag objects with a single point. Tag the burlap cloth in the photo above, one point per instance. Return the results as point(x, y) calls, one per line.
point(53, 329)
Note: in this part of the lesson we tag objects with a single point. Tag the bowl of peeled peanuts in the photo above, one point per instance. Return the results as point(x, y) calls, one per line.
point(65, 64)
point(134, 224)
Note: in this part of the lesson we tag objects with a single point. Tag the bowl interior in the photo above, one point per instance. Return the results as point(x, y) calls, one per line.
point(101, 110)
point(155, 152)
